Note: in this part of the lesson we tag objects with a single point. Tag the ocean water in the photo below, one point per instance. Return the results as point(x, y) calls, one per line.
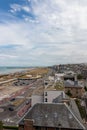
point(7, 70)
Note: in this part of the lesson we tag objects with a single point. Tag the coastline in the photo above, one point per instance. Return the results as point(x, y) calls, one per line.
point(13, 73)
point(10, 70)
point(24, 73)
point(6, 81)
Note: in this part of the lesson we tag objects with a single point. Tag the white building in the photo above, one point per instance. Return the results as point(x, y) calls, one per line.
point(50, 95)
point(59, 76)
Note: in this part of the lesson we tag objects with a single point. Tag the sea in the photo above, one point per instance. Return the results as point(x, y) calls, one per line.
point(8, 70)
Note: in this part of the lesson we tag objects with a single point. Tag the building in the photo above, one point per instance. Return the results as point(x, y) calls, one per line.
point(59, 76)
point(37, 98)
point(70, 75)
point(48, 92)
point(84, 73)
point(50, 95)
point(49, 116)
point(73, 87)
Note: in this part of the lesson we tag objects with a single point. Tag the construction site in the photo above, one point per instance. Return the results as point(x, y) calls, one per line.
point(16, 92)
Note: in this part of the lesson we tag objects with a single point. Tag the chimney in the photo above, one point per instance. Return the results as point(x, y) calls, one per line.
point(28, 124)
point(75, 83)
point(75, 77)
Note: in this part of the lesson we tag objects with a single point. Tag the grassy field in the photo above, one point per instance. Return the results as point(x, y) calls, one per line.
point(36, 71)
point(33, 72)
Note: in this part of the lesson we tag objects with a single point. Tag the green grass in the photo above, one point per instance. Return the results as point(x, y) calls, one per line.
point(10, 127)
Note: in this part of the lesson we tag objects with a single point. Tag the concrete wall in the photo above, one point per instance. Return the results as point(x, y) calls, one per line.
point(36, 99)
point(50, 95)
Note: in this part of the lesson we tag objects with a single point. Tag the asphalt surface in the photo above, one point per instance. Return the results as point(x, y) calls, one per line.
point(9, 113)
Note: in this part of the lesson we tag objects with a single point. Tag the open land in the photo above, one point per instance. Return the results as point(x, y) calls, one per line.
point(15, 93)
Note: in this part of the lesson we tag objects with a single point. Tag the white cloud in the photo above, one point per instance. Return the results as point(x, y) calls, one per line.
point(14, 33)
point(58, 34)
point(17, 8)
point(26, 8)
point(4, 56)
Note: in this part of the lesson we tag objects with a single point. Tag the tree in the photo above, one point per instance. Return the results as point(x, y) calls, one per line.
point(79, 76)
point(69, 93)
point(1, 125)
point(85, 88)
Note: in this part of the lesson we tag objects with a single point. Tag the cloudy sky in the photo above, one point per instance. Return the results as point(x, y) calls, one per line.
point(42, 32)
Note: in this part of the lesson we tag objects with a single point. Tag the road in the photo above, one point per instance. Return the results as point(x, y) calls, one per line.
point(11, 117)
point(10, 80)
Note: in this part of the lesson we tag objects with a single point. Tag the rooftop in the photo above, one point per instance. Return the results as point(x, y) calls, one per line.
point(69, 83)
point(51, 115)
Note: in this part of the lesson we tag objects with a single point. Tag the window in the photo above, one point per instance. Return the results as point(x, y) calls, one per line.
point(44, 128)
point(45, 99)
point(21, 127)
point(59, 127)
point(38, 128)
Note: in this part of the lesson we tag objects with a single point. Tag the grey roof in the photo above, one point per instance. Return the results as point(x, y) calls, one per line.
point(51, 115)
point(69, 76)
point(72, 105)
point(69, 83)
point(75, 109)
point(58, 99)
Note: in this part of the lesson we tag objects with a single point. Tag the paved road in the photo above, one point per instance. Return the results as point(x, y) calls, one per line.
point(11, 117)
point(6, 81)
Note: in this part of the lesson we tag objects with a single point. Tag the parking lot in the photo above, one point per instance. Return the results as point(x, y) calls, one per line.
point(18, 103)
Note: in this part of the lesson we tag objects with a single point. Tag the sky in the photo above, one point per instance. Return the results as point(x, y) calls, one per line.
point(43, 32)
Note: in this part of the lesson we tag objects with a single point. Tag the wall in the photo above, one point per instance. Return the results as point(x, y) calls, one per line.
point(52, 95)
point(75, 91)
point(36, 99)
